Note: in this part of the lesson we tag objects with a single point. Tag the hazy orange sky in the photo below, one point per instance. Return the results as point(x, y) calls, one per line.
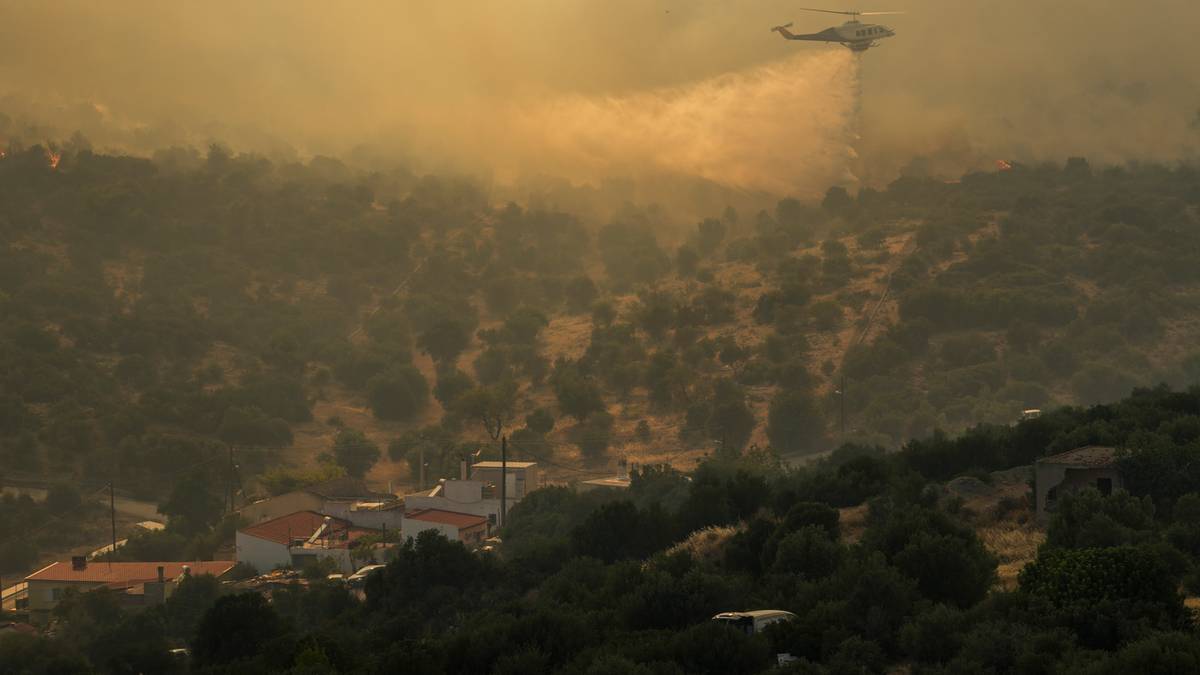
point(588, 88)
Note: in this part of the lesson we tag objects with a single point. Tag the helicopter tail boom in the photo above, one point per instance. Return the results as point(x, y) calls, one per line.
point(827, 35)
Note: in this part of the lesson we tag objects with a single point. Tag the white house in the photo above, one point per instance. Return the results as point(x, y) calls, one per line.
point(294, 539)
point(471, 530)
point(523, 477)
point(459, 496)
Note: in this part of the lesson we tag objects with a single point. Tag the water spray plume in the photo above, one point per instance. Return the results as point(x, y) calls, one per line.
point(786, 127)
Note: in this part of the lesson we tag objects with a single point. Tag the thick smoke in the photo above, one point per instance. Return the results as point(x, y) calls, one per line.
point(592, 88)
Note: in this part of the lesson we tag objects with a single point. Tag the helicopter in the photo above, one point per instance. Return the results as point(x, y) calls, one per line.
point(858, 36)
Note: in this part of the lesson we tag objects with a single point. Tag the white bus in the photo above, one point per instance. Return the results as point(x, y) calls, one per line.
point(754, 621)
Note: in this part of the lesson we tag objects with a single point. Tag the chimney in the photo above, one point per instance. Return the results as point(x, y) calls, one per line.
point(78, 562)
point(160, 574)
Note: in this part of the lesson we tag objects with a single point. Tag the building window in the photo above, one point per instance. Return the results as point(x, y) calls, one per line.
point(1104, 485)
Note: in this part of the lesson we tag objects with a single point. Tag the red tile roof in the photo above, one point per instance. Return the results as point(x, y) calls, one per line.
point(298, 525)
point(459, 520)
point(127, 572)
point(302, 525)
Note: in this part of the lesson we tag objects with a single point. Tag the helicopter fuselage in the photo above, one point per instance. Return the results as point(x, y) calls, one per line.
point(854, 34)
point(860, 36)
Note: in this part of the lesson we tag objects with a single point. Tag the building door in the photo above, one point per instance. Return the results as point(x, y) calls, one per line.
point(1104, 485)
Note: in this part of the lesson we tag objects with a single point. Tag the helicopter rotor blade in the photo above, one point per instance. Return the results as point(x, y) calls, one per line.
point(828, 11)
point(879, 13)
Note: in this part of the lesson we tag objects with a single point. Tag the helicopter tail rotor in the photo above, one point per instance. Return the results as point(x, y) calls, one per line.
point(779, 29)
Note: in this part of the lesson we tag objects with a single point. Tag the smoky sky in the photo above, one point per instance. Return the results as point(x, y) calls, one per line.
point(589, 88)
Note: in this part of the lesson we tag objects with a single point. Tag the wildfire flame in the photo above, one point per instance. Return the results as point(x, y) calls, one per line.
point(1002, 165)
point(53, 158)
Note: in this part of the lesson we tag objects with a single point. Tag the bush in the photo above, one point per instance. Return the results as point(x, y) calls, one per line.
point(398, 394)
point(594, 434)
point(794, 423)
point(354, 452)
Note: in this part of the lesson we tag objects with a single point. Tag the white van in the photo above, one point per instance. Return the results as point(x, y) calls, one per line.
point(754, 621)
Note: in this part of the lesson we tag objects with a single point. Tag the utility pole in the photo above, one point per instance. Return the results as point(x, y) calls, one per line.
point(503, 478)
point(112, 514)
point(421, 484)
point(230, 487)
point(843, 397)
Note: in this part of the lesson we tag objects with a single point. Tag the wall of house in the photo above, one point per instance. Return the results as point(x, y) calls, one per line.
point(473, 535)
point(1064, 479)
point(263, 554)
point(519, 480)
point(340, 556)
point(465, 491)
point(45, 595)
point(413, 527)
point(377, 519)
point(488, 508)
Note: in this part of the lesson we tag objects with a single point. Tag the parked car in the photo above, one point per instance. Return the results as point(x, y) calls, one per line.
point(359, 578)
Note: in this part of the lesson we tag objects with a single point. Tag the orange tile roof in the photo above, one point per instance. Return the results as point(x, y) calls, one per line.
point(302, 525)
point(127, 572)
point(298, 525)
point(459, 520)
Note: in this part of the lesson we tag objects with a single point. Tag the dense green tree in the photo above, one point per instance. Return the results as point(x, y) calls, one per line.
point(399, 393)
point(235, 631)
point(492, 406)
point(354, 452)
point(578, 396)
point(794, 423)
point(192, 506)
point(445, 340)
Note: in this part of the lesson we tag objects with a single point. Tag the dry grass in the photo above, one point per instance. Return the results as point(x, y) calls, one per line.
point(707, 545)
point(1014, 546)
point(853, 522)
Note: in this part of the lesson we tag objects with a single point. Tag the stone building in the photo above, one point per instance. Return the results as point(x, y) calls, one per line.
point(1090, 466)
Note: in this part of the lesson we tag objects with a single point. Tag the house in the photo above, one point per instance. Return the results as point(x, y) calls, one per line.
point(1089, 466)
point(342, 498)
point(297, 538)
point(143, 583)
point(469, 529)
point(523, 477)
point(460, 496)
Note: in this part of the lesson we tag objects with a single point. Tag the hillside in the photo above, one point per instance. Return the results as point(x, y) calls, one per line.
point(922, 560)
point(156, 310)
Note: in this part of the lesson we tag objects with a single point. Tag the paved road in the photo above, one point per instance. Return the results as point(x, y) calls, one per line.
point(133, 507)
